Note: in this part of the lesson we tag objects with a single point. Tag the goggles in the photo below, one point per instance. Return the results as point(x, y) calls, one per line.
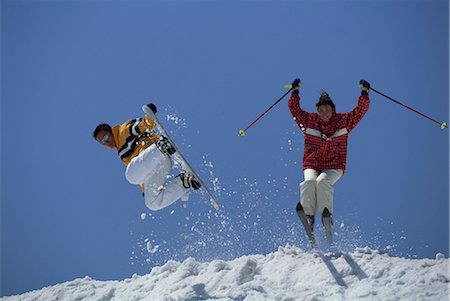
point(104, 139)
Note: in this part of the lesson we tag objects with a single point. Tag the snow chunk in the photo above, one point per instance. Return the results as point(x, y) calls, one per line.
point(175, 119)
point(151, 248)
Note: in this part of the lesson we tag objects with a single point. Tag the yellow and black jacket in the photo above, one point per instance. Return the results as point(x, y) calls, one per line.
point(134, 136)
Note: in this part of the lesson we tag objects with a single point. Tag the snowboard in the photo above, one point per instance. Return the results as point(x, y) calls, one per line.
point(179, 154)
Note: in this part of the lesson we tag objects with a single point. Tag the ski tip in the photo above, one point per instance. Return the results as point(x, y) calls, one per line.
point(242, 133)
point(443, 125)
point(214, 203)
point(146, 110)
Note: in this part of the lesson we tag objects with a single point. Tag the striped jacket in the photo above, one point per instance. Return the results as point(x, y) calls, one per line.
point(326, 142)
point(134, 136)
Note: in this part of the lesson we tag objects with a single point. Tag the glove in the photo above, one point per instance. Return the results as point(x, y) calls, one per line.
point(152, 107)
point(295, 85)
point(365, 87)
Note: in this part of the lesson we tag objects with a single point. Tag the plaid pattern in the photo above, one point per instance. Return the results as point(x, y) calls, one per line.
point(326, 142)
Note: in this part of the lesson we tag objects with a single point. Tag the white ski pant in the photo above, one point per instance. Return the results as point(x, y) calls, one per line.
point(152, 169)
point(316, 191)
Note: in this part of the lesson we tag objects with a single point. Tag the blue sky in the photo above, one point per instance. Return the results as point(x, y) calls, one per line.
point(212, 67)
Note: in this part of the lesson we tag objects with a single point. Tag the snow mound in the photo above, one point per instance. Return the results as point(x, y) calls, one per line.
point(285, 275)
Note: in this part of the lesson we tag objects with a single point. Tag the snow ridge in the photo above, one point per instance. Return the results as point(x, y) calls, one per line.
point(286, 275)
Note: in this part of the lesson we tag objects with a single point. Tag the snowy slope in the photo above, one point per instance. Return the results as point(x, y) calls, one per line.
point(287, 274)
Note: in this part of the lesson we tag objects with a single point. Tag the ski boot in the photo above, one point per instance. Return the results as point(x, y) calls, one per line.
point(189, 181)
point(327, 221)
point(311, 220)
point(165, 147)
point(308, 224)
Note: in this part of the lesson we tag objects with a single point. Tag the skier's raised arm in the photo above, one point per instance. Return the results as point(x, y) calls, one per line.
point(354, 117)
point(301, 117)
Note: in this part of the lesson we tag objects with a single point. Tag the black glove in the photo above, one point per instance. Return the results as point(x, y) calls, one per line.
point(295, 85)
point(365, 87)
point(152, 107)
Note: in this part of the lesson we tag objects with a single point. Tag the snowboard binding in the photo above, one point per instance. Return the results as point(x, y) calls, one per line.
point(165, 146)
point(189, 180)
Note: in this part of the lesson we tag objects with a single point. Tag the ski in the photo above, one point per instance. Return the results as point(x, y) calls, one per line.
point(301, 214)
point(186, 164)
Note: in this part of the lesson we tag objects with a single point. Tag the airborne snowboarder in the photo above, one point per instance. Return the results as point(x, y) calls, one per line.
point(148, 161)
point(325, 153)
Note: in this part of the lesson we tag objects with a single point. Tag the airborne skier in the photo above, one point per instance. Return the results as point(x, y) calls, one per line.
point(325, 153)
point(147, 156)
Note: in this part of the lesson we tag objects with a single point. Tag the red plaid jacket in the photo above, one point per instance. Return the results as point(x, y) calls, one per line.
point(326, 142)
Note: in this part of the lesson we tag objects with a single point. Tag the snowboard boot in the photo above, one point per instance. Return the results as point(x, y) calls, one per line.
point(164, 146)
point(189, 181)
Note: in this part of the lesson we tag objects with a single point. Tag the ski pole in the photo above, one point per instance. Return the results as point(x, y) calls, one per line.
point(443, 124)
point(242, 132)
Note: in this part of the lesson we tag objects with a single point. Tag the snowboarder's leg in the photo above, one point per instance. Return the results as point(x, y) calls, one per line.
point(325, 190)
point(308, 192)
point(160, 193)
point(142, 166)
